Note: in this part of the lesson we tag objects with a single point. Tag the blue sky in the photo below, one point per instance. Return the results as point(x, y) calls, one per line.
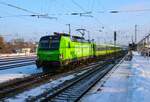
point(32, 28)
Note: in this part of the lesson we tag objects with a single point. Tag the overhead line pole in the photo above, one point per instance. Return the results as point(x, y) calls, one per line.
point(135, 34)
point(69, 26)
point(88, 35)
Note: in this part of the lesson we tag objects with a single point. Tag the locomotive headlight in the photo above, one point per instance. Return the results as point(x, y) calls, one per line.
point(61, 56)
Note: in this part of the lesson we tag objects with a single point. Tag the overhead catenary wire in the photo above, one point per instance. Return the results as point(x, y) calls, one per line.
point(125, 11)
point(78, 5)
point(34, 14)
point(19, 8)
point(84, 13)
point(96, 19)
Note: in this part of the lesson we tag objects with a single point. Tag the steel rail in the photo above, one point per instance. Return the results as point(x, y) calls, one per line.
point(71, 90)
point(13, 87)
point(16, 58)
point(16, 61)
point(11, 66)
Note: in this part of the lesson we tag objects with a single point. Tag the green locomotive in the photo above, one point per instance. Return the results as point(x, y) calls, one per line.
point(62, 49)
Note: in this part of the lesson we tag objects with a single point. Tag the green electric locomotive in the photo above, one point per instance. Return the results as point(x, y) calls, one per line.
point(62, 49)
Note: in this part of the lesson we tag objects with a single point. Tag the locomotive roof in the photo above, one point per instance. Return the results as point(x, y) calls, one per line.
point(47, 36)
point(65, 34)
point(61, 34)
point(73, 38)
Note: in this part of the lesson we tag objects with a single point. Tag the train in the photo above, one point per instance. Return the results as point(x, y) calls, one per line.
point(61, 49)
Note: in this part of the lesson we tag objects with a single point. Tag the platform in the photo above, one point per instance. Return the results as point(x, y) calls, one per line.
point(128, 82)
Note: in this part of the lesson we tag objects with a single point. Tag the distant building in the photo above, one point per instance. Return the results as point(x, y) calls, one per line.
point(26, 50)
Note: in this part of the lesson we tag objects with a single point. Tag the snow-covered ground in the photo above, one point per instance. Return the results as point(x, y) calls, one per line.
point(41, 89)
point(18, 72)
point(130, 82)
point(17, 54)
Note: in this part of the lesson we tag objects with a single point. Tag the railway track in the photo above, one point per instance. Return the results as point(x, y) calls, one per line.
point(18, 61)
point(16, 65)
point(16, 86)
point(73, 90)
point(16, 58)
point(13, 63)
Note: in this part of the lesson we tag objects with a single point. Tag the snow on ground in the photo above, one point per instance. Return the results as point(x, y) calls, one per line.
point(130, 82)
point(18, 72)
point(17, 54)
point(41, 89)
point(115, 86)
point(139, 87)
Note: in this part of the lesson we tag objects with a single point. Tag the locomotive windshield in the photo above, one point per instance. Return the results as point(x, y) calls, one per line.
point(50, 42)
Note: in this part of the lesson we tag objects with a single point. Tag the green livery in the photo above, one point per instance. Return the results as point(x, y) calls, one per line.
point(62, 49)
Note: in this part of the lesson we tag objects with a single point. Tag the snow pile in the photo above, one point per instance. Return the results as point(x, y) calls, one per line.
point(6, 77)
